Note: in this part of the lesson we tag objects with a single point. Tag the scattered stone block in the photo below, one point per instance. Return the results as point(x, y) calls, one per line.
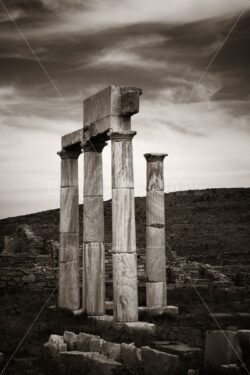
point(83, 342)
point(221, 348)
point(189, 357)
point(111, 350)
point(131, 356)
point(95, 345)
point(55, 346)
point(160, 363)
point(70, 338)
point(101, 365)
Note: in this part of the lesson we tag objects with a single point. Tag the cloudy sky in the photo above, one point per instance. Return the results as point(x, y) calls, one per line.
point(164, 47)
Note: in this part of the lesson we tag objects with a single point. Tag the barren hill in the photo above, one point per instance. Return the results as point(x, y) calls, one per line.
point(211, 225)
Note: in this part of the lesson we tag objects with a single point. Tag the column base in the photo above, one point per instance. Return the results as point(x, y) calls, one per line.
point(156, 294)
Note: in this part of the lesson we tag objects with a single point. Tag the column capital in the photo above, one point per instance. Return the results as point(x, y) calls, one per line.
point(151, 157)
point(94, 146)
point(69, 154)
point(120, 136)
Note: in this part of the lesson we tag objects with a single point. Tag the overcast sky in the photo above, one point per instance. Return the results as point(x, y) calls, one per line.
point(160, 46)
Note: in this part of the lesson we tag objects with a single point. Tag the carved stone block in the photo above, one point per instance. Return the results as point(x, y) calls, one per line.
point(69, 213)
point(156, 294)
point(69, 297)
point(69, 247)
point(93, 181)
point(125, 287)
point(155, 207)
point(156, 264)
point(94, 278)
point(123, 217)
point(93, 219)
point(122, 164)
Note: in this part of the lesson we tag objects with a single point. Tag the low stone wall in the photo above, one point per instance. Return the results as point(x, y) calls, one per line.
point(41, 271)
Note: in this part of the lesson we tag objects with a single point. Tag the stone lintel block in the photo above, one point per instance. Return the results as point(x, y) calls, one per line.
point(160, 363)
point(155, 208)
point(105, 103)
point(69, 247)
point(155, 236)
point(93, 219)
point(125, 287)
point(93, 178)
point(69, 297)
point(71, 139)
point(123, 221)
point(122, 164)
point(156, 264)
point(130, 103)
point(156, 294)
point(69, 172)
point(94, 278)
point(221, 348)
point(155, 176)
point(103, 126)
point(112, 101)
point(69, 210)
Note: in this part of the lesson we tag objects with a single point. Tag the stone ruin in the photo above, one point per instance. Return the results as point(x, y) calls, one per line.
point(107, 116)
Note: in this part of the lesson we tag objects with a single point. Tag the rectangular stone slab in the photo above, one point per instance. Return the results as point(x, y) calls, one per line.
point(69, 172)
point(123, 232)
point(155, 210)
point(93, 220)
point(73, 138)
point(156, 264)
point(93, 185)
point(122, 164)
point(69, 212)
point(125, 287)
point(69, 297)
point(105, 103)
point(69, 247)
point(156, 294)
point(94, 278)
point(155, 237)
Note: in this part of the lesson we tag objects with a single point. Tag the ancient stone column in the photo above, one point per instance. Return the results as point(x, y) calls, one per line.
point(125, 293)
point(93, 291)
point(156, 291)
point(69, 292)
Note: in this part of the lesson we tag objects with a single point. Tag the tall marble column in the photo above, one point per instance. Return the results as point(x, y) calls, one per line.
point(69, 291)
point(125, 293)
point(156, 290)
point(93, 291)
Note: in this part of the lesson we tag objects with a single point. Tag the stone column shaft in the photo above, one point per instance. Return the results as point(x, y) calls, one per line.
point(156, 291)
point(125, 293)
point(93, 296)
point(69, 296)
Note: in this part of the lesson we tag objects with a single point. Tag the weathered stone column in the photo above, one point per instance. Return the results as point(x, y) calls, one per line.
point(69, 292)
point(156, 291)
point(93, 296)
point(125, 293)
